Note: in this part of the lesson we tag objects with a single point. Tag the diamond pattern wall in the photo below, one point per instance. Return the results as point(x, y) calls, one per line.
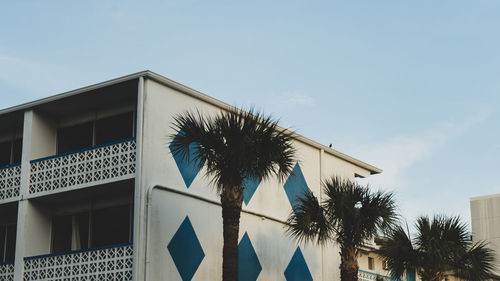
point(297, 269)
point(186, 250)
point(249, 266)
point(188, 166)
point(249, 187)
point(295, 186)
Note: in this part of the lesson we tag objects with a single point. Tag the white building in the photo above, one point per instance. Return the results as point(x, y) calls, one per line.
point(90, 191)
point(485, 221)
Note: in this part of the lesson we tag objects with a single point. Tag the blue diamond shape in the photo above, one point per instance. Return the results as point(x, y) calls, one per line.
point(249, 266)
point(186, 250)
point(189, 167)
point(297, 269)
point(249, 187)
point(295, 186)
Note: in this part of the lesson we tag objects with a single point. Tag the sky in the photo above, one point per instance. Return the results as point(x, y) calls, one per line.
point(411, 87)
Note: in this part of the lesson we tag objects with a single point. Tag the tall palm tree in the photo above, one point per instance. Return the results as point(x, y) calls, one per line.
point(441, 247)
point(350, 215)
point(233, 146)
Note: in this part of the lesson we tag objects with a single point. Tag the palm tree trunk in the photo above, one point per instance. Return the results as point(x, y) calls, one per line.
point(348, 264)
point(232, 200)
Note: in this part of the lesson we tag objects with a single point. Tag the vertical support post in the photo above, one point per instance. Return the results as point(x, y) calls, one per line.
point(22, 207)
point(139, 266)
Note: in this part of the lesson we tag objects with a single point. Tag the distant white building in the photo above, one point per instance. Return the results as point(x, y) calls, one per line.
point(90, 191)
point(485, 221)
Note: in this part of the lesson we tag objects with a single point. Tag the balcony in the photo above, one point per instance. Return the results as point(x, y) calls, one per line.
point(10, 181)
point(7, 271)
point(369, 276)
point(97, 165)
point(105, 263)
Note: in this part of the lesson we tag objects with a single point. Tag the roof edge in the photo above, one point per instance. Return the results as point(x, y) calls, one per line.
point(199, 95)
point(34, 103)
point(191, 92)
point(489, 196)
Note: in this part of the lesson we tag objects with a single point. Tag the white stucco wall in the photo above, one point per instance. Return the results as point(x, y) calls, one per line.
point(168, 209)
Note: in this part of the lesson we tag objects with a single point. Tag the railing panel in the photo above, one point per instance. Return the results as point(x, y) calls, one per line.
point(85, 166)
point(114, 263)
point(10, 181)
point(7, 272)
point(369, 276)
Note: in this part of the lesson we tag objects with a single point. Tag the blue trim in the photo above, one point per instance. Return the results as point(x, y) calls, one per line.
point(80, 150)
point(7, 262)
point(376, 274)
point(79, 251)
point(10, 165)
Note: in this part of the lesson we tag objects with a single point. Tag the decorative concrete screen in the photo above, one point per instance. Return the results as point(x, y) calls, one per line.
point(368, 276)
point(113, 263)
point(7, 272)
point(10, 181)
point(100, 163)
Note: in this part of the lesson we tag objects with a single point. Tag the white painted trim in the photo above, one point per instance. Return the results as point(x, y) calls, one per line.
point(138, 258)
point(490, 196)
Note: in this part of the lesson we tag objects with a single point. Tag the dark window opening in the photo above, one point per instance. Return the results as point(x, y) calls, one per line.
point(371, 263)
point(7, 242)
point(94, 133)
point(10, 152)
point(95, 228)
point(17, 150)
point(114, 128)
point(61, 234)
point(74, 137)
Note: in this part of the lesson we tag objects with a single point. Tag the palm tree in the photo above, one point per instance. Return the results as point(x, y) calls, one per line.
point(233, 146)
point(350, 215)
point(441, 247)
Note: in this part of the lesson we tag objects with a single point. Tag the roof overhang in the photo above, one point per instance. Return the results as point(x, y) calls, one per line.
point(188, 91)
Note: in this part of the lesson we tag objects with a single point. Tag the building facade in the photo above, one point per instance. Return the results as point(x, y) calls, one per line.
point(90, 191)
point(485, 221)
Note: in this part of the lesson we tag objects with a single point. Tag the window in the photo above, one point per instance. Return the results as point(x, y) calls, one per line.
point(96, 132)
point(371, 263)
point(95, 228)
point(10, 152)
point(7, 242)
point(114, 128)
point(386, 265)
point(75, 137)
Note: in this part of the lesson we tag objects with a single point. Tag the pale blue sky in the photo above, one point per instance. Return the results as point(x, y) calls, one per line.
point(409, 86)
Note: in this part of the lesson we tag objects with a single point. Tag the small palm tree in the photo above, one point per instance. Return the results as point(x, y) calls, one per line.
point(350, 215)
point(233, 146)
point(441, 247)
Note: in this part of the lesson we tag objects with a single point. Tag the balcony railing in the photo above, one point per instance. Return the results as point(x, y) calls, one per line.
point(105, 263)
point(7, 271)
point(100, 163)
point(369, 276)
point(10, 181)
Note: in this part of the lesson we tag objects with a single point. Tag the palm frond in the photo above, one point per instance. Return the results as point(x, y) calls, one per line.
point(477, 264)
point(307, 222)
point(357, 214)
point(398, 252)
point(234, 145)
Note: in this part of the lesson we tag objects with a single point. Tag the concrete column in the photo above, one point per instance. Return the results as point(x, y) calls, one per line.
point(140, 196)
point(33, 225)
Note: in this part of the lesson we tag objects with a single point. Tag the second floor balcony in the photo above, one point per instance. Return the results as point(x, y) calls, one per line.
point(99, 164)
point(112, 262)
point(7, 271)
